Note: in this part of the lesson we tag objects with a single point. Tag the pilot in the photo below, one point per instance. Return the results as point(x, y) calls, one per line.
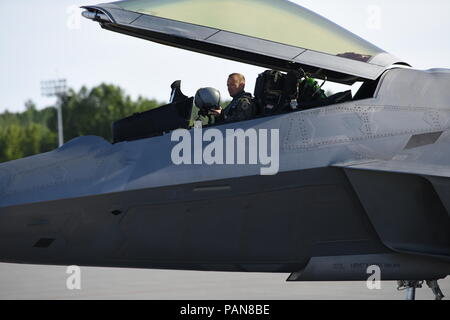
point(241, 107)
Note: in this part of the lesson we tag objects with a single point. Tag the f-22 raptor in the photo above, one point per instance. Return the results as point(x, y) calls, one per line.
point(363, 179)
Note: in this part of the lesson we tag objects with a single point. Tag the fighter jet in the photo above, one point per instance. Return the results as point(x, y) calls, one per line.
point(362, 179)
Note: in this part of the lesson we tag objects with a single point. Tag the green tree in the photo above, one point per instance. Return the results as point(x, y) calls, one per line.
point(92, 112)
point(86, 112)
point(18, 141)
point(11, 142)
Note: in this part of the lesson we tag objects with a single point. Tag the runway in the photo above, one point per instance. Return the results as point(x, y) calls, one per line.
point(49, 282)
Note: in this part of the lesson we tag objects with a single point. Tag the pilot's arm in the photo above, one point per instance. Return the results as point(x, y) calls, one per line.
point(239, 110)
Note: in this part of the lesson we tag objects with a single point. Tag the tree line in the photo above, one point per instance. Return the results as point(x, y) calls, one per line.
point(85, 112)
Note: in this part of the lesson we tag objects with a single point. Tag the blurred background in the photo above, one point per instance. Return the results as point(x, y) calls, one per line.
point(110, 76)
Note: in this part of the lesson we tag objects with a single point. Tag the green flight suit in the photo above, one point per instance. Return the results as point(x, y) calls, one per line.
point(240, 108)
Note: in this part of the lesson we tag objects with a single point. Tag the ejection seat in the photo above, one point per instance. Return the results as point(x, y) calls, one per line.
point(277, 92)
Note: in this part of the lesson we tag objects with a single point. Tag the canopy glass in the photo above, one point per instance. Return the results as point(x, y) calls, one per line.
point(274, 20)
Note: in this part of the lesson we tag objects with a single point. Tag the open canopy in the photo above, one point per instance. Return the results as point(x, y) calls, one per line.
point(270, 33)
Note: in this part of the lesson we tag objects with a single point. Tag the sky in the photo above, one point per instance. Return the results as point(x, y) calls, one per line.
point(48, 39)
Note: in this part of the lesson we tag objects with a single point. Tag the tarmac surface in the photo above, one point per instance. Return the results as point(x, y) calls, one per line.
point(49, 282)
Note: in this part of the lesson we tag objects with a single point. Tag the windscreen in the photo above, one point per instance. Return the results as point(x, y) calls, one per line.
point(274, 20)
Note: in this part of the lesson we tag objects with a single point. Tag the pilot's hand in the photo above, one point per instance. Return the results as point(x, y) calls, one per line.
point(215, 112)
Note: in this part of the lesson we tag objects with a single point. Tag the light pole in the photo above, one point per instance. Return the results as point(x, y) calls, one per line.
point(56, 88)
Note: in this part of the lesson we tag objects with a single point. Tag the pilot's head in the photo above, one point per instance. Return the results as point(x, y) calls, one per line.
point(235, 84)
